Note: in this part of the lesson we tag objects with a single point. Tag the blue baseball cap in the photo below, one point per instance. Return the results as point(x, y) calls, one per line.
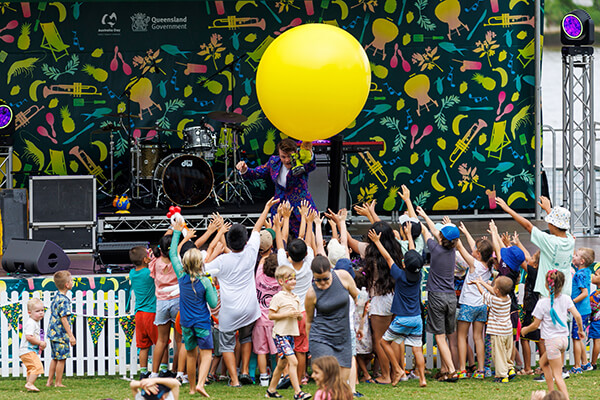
point(450, 231)
point(512, 256)
point(346, 265)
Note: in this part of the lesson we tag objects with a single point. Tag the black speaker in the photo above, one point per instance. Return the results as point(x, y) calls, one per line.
point(111, 254)
point(13, 205)
point(34, 257)
point(69, 198)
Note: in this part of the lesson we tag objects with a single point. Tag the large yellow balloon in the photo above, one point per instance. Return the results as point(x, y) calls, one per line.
point(313, 81)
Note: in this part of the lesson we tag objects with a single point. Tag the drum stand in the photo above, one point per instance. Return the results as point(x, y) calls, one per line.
point(233, 187)
point(136, 160)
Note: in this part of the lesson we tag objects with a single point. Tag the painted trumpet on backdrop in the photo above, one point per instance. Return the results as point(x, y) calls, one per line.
point(375, 168)
point(463, 144)
point(76, 89)
point(233, 22)
point(23, 117)
point(87, 162)
point(506, 20)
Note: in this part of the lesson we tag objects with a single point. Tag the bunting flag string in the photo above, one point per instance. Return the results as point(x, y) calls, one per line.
point(128, 325)
point(96, 324)
point(14, 315)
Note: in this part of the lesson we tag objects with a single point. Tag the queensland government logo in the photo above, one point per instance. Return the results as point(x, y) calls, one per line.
point(139, 22)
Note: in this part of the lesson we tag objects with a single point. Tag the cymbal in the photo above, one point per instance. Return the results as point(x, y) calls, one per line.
point(230, 117)
point(121, 115)
point(155, 128)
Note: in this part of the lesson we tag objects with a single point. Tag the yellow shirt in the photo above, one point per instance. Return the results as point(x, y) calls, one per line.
point(285, 302)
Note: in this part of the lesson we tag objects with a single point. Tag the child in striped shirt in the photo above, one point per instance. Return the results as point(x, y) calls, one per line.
point(498, 325)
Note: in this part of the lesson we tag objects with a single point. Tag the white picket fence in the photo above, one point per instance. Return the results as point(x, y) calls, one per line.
point(110, 356)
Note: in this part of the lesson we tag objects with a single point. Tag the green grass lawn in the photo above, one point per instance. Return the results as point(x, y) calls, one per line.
point(580, 387)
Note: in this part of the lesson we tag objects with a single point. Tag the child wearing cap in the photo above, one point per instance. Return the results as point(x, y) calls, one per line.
point(510, 261)
point(580, 293)
point(441, 318)
point(556, 247)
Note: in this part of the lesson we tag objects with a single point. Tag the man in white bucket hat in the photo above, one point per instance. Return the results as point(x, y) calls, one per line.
point(556, 247)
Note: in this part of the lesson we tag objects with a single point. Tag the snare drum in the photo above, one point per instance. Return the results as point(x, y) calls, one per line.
point(199, 138)
point(186, 179)
point(150, 155)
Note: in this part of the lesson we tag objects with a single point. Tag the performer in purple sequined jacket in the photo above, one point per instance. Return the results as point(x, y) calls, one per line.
point(290, 184)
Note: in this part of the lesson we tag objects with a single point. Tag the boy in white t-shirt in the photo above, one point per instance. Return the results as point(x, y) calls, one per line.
point(239, 305)
point(31, 343)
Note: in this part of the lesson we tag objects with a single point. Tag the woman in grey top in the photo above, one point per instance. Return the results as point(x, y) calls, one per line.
point(329, 328)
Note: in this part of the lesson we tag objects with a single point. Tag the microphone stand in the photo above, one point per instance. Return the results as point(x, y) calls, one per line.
point(233, 186)
point(134, 150)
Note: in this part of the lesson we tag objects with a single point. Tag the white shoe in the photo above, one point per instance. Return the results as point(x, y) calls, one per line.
point(566, 375)
point(264, 380)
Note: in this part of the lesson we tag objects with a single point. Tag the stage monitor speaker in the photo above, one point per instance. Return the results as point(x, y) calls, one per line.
point(64, 199)
point(13, 206)
point(116, 252)
point(34, 257)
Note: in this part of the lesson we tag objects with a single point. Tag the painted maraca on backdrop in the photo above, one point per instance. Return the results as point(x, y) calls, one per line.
point(313, 81)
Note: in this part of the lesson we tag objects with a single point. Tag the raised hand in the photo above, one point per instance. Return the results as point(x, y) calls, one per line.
point(501, 203)
point(404, 194)
point(446, 220)
point(362, 210)
point(242, 167)
point(420, 211)
point(515, 238)
point(374, 236)
point(286, 210)
point(272, 201)
point(462, 228)
point(505, 239)
point(544, 202)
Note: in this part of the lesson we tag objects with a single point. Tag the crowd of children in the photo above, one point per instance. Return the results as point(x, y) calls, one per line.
point(284, 298)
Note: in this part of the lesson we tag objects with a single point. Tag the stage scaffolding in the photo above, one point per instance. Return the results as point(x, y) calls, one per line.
point(579, 139)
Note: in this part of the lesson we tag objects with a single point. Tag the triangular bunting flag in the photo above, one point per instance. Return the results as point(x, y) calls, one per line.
point(96, 325)
point(72, 320)
point(128, 325)
point(14, 315)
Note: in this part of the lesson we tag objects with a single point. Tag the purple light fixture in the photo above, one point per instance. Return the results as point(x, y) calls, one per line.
point(577, 29)
point(6, 116)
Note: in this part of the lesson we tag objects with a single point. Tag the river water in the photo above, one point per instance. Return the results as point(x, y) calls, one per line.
point(552, 109)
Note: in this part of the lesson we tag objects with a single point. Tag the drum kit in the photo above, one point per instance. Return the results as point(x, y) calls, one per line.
point(184, 176)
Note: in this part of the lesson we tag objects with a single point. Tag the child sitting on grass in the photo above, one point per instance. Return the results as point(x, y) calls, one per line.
point(155, 389)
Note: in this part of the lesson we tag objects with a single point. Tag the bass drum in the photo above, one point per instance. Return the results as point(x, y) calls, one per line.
point(186, 179)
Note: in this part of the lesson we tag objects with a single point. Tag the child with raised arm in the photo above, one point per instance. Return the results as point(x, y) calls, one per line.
point(59, 328)
point(284, 310)
point(472, 311)
point(299, 256)
point(407, 325)
point(32, 344)
point(441, 318)
point(580, 293)
point(550, 315)
point(498, 327)
point(239, 305)
point(196, 291)
point(142, 285)
point(556, 247)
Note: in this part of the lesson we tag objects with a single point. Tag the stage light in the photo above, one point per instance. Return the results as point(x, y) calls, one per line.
point(577, 29)
point(6, 116)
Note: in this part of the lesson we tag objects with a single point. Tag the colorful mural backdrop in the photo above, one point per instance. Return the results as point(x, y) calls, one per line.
point(452, 89)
